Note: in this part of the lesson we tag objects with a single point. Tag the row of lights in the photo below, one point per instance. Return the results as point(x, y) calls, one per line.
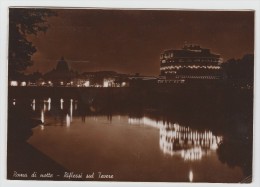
point(188, 60)
point(171, 81)
point(196, 77)
point(106, 83)
point(189, 67)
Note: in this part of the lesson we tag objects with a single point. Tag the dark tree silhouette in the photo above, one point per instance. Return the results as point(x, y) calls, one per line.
point(240, 71)
point(237, 153)
point(34, 76)
point(22, 23)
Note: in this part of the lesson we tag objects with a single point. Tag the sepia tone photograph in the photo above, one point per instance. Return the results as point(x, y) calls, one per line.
point(130, 95)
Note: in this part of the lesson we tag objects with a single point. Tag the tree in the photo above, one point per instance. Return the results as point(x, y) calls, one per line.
point(240, 71)
point(22, 23)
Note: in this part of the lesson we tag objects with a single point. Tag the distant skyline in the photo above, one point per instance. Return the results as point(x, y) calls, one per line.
point(130, 41)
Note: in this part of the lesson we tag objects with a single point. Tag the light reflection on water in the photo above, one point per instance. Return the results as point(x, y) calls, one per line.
point(175, 140)
point(71, 110)
point(191, 176)
point(42, 116)
point(33, 104)
point(68, 120)
point(183, 141)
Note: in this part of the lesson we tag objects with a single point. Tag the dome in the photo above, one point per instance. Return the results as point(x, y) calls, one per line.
point(62, 65)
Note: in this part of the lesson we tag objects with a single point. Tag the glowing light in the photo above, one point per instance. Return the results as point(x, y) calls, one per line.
point(68, 120)
point(33, 104)
point(61, 103)
point(42, 127)
point(190, 144)
point(50, 83)
point(123, 84)
point(49, 104)
point(76, 105)
point(188, 67)
point(23, 83)
point(14, 102)
point(192, 154)
point(86, 84)
point(13, 83)
point(214, 145)
point(191, 176)
point(105, 83)
point(42, 116)
point(108, 82)
point(44, 107)
point(71, 109)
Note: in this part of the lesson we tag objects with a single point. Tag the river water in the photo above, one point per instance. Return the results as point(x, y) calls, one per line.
point(133, 145)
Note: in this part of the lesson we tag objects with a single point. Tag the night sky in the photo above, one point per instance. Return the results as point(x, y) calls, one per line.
point(130, 41)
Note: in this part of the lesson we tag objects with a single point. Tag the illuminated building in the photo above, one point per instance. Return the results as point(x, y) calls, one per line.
point(61, 75)
point(190, 63)
point(108, 82)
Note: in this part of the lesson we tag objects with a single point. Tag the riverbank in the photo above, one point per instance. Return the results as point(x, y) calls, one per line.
point(23, 160)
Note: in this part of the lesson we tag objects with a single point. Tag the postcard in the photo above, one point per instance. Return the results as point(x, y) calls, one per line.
point(130, 95)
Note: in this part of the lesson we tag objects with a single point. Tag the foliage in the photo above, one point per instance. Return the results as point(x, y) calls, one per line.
point(22, 23)
point(240, 71)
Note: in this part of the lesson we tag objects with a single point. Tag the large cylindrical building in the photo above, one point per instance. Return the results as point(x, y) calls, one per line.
point(190, 63)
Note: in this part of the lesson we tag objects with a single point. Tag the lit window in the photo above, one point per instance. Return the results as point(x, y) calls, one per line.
point(23, 83)
point(105, 83)
point(86, 84)
point(123, 84)
point(13, 83)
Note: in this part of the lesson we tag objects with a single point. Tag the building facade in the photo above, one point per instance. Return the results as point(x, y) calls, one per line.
point(190, 63)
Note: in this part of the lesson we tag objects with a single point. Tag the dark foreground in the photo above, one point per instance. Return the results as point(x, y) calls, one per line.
point(23, 160)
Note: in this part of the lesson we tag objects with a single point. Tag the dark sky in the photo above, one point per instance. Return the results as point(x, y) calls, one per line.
point(130, 41)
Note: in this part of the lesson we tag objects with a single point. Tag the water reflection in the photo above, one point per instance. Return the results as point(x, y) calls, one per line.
point(68, 120)
point(190, 144)
point(191, 176)
point(42, 127)
point(71, 109)
point(42, 116)
point(49, 104)
point(33, 104)
point(61, 103)
point(44, 106)
point(175, 139)
point(76, 105)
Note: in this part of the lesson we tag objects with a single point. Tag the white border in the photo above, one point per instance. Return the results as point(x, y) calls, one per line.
point(150, 4)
